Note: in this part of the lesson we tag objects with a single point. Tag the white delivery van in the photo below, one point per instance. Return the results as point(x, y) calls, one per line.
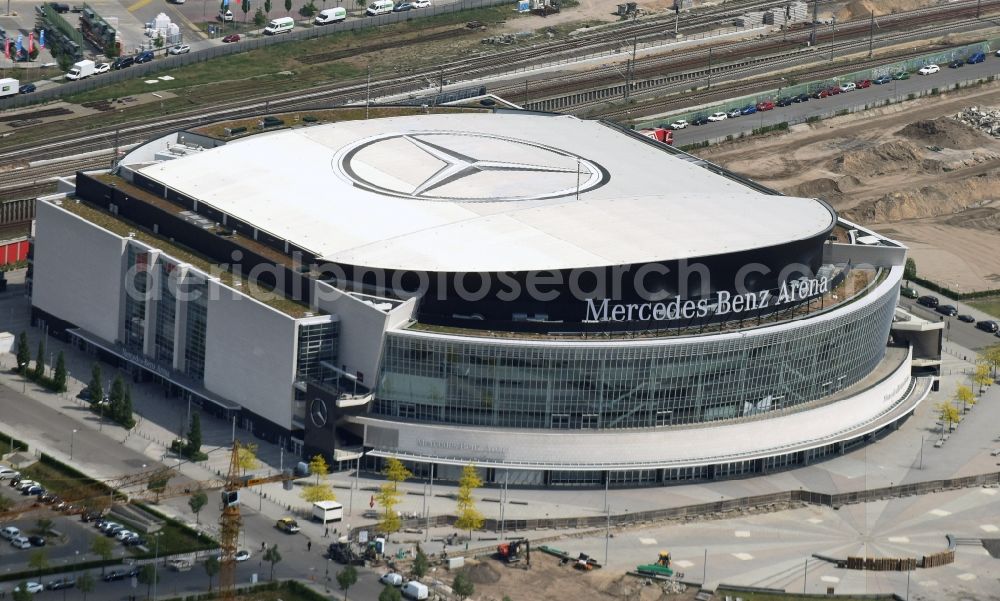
point(9, 86)
point(280, 25)
point(379, 7)
point(328, 511)
point(414, 590)
point(81, 70)
point(331, 15)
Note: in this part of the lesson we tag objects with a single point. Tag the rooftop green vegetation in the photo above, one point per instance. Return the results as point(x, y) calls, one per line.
point(124, 228)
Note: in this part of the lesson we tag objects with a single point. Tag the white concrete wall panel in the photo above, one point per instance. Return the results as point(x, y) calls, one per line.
point(77, 271)
point(250, 354)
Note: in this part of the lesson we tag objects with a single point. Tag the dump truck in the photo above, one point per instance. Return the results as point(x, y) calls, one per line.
point(660, 568)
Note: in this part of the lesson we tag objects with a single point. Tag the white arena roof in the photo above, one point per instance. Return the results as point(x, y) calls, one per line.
point(484, 192)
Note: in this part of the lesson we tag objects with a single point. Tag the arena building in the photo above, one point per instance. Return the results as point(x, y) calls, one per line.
point(557, 301)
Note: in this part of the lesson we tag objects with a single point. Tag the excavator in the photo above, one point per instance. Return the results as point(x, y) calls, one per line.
point(660, 568)
point(514, 551)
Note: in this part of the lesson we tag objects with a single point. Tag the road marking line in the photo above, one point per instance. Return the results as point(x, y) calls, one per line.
point(136, 6)
point(742, 534)
point(988, 491)
point(743, 556)
point(899, 539)
point(829, 579)
point(988, 528)
point(815, 521)
point(928, 583)
point(647, 541)
point(966, 576)
point(683, 563)
point(939, 512)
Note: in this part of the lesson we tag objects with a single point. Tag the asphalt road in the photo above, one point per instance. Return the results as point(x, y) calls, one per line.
point(800, 112)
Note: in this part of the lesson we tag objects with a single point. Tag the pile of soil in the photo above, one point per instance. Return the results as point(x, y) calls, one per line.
point(951, 198)
point(859, 9)
point(823, 187)
point(481, 573)
point(944, 132)
point(883, 159)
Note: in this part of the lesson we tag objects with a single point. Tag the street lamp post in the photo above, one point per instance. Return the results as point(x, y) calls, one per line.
point(156, 558)
point(72, 440)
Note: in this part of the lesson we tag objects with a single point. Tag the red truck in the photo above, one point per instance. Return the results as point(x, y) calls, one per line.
point(660, 134)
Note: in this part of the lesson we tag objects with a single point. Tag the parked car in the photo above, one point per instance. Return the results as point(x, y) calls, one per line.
point(101, 68)
point(391, 578)
point(785, 101)
point(59, 7)
point(123, 534)
point(732, 114)
point(821, 93)
point(901, 75)
point(229, 39)
point(833, 90)
point(965, 317)
point(908, 292)
point(122, 62)
point(948, 310)
point(720, 116)
point(179, 49)
point(10, 532)
point(881, 79)
point(748, 109)
point(801, 98)
point(20, 542)
point(7, 472)
point(30, 586)
point(679, 124)
point(700, 120)
point(26, 88)
point(225, 16)
point(929, 301)
point(144, 57)
point(421, 3)
point(242, 555)
point(48, 498)
point(863, 83)
point(928, 69)
point(988, 325)
point(36, 541)
point(36, 490)
point(765, 105)
point(994, 452)
point(90, 516)
point(61, 583)
point(402, 7)
point(978, 57)
point(134, 541)
point(849, 86)
point(956, 64)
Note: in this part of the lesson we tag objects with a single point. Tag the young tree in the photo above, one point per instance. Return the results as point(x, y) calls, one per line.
point(197, 502)
point(982, 377)
point(318, 492)
point(390, 593)
point(193, 447)
point(469, 518)
point(85, 584)
point(23, 353)
point(59, 378)
point(910, 269)
point(245, 5)
point(21, 593)
point(39, 372)
point(462, 586)
point(43, 525)
point(396, 472)
point(158, 483)
point(211, 569)
point(126, 419)
point(964, 395)
point(318, 467)
point(95, 386)
point(148, 575)
point(288, 7)
point(388, 498)
point(948, 413)
point(258, 18)
point(116, 398)
point(991, 357)
point(267, 9)
point(247, 457)
point(272, 556)
point(39, 560)
point(420, 563)
point(102, 547)
point(346, 578)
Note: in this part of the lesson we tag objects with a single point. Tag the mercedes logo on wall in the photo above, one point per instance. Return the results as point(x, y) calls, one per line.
point(318, 413)
point(465, 167)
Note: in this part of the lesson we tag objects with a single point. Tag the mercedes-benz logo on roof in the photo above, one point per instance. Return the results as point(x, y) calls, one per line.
point(465, 167)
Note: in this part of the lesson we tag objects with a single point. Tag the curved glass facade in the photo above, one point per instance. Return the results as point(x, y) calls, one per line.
point(632, 383)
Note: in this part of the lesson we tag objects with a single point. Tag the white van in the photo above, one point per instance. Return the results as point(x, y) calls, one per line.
point(379, 7)
point(10, 532)
point(414, 590)
point(331, 15)
point(280, 25)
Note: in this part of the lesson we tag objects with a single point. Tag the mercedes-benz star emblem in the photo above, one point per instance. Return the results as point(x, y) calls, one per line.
point(443, 166)
point(319, 413)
